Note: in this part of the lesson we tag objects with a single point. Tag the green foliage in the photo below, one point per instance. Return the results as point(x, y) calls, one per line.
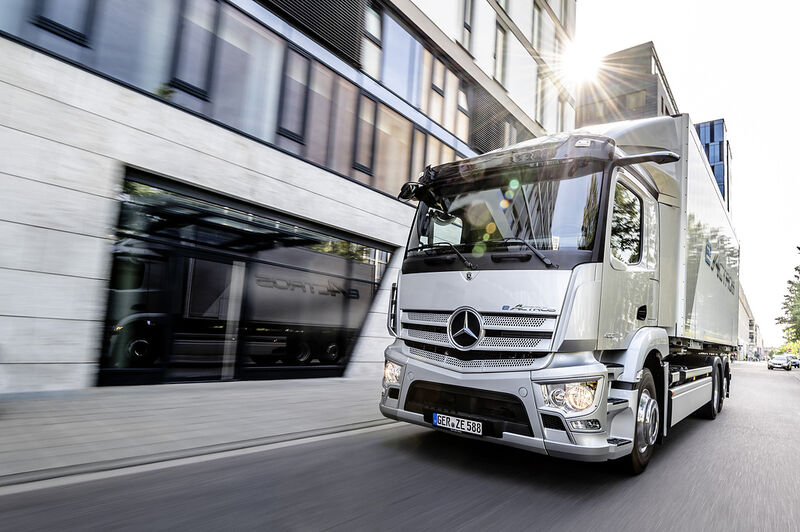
point(790, 347)
point(791, 308)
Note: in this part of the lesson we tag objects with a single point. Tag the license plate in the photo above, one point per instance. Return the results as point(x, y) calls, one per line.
point(457, 424)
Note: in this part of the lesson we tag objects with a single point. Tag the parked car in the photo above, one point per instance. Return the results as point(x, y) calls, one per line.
point(780, 361)
point(795, 360)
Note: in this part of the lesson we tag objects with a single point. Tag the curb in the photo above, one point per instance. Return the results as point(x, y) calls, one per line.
point(107, 465)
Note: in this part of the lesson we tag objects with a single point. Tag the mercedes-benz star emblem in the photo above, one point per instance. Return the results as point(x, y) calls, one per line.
point(465, 328)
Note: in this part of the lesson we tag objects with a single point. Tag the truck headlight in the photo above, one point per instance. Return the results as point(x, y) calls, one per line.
point(391, 374)
point(570, 397)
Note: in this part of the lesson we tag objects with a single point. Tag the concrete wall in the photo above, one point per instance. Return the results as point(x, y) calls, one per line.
point(65, 138)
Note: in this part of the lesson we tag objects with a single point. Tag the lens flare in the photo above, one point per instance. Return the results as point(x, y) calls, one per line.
point(504, 204)
point(491, 228)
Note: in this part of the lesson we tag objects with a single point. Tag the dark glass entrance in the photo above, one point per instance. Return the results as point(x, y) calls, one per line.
point(205, 291)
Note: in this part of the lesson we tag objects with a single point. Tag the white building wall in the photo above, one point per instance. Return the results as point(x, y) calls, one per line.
point(447, 14)
point(65, 138)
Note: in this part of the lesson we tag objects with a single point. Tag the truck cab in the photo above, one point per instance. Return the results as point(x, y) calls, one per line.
point(529, 309)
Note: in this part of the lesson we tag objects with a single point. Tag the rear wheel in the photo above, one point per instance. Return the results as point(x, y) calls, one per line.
point(710, 409)
point(647, 424)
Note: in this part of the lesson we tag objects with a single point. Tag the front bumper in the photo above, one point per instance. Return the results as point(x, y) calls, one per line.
point(616, 425)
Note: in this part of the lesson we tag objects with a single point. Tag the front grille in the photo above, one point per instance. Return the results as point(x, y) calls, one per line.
point(552, 422)
point(499, 412)
point(501, 332)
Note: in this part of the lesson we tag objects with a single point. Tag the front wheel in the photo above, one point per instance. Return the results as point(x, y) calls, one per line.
point(647, 425)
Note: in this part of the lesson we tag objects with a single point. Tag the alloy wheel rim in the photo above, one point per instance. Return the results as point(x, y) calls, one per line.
point(647, 421)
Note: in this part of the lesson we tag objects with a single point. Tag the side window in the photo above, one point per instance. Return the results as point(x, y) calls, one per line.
point(626, 225)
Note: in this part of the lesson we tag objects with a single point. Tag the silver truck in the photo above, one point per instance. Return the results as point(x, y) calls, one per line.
point(575, 295)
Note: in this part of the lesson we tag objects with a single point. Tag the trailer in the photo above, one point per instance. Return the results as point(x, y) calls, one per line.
point(575, 294)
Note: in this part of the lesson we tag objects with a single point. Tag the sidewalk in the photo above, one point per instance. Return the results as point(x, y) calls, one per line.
point(107, 428)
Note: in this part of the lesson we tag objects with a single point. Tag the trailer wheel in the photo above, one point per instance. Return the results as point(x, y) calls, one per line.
point(300, 351)
point(647, 424)
point(711, 408)
point(722, 391)
point(331, 352)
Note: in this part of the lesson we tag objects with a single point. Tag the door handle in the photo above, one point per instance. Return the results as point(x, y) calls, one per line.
point(641, 313)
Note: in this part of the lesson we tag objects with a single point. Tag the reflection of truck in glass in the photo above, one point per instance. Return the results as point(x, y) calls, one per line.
point(575, 295)
point(292, 304)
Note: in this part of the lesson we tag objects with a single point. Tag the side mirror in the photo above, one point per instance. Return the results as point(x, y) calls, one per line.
point(658, 157)
point(409, 190)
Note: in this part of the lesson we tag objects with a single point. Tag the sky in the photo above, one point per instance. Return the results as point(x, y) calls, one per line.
point(734, 60)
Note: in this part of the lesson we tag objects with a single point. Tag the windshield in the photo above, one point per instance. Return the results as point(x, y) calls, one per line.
point(552, 208)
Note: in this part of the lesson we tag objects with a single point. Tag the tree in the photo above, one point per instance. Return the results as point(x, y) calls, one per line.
point(791, 308)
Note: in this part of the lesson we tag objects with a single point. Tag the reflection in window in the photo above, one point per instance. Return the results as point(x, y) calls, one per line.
point(293, 102)
point(343, 128)
point(626, 225)
point(186, 270)
point(371, 42)
point(320, 102)
point(393, 151)
point(132, 41)
point(401, 59)
point(365, 135)
point(247, 77)
point(192, 62)
point(417, 154)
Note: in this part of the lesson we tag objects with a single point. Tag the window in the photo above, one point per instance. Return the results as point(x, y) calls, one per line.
point(247, 75)
point(417, 154)
point(70, 19)
point(462, 117)
point(466, 30)
point(343, 126)
point(536, 37)
point(626, 225)
point(401, 60)
point(365, 138)
point(719, 131)
point(371, 41)
point(291, 124)
point(540, 99)
point(133, 41)
point(393, 151)
point(436, 94)
point(500, 54)
point(192, 63)
point(318, 121)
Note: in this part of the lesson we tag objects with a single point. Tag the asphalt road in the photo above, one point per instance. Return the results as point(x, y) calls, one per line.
point(738, 472)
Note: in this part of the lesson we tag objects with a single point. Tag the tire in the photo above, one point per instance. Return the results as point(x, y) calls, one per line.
point(723, 389)
point(646, 427)
point(769, 368)
point(300, 352)
point(711, 408)
point(331, 352)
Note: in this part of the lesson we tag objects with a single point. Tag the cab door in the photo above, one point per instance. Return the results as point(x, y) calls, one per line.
point(629, 298)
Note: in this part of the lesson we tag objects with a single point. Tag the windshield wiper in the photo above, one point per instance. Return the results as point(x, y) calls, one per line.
point(539, 254)
point(464, 259)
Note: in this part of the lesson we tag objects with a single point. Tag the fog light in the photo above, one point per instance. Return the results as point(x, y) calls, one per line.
point(391, 374)
point(585, 424)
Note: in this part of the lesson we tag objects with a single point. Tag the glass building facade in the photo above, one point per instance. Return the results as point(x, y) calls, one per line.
point(713, 136)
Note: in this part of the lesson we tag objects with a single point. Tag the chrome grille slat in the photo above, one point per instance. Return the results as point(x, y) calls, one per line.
point(472, 364)
point(435, 337)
